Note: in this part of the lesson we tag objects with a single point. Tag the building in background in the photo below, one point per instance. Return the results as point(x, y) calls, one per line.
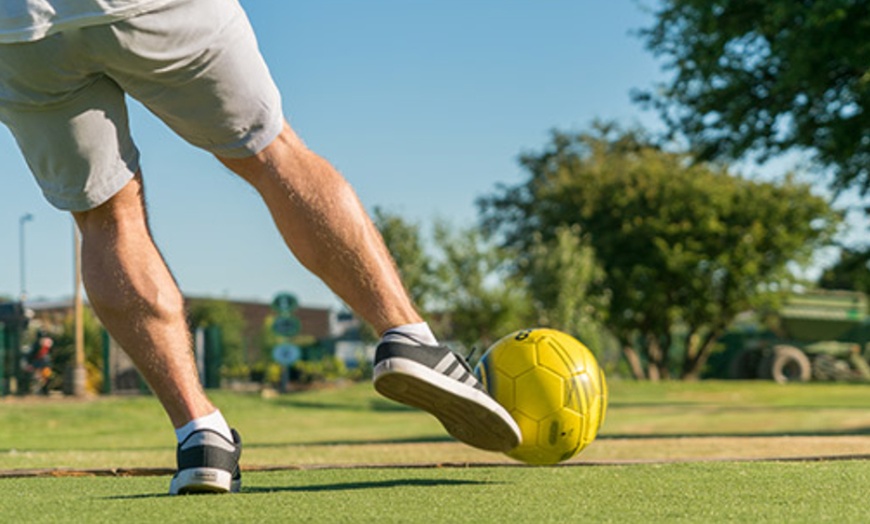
point(330, 332)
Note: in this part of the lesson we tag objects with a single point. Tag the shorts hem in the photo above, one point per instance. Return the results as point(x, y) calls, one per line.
point(88, 200)
point(252, 144)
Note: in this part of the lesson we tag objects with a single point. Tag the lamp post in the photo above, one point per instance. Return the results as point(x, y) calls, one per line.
point(21, 221)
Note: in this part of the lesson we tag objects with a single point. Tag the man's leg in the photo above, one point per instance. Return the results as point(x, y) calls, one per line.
point(136, 298)
point(326, 227)
point(134, 295)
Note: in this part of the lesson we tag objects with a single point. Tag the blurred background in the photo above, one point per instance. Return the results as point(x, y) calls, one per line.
point(681, 185)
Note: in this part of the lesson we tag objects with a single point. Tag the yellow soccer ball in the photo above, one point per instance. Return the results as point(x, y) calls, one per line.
point(552, 386)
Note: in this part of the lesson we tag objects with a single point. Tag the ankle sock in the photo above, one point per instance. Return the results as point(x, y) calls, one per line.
point(415, 334)
point(213, 421)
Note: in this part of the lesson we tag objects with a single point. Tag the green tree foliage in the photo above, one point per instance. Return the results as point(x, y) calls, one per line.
point(765, 76)
point(482, 300)
point(213, 312)
point(405, 243)
point(474, 294)
point(267, 339)
point(684, 246)
point(464, 291)
point(851, 272)
point(564, 282)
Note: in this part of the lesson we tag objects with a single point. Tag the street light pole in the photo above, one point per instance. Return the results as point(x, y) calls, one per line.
point(21, 221)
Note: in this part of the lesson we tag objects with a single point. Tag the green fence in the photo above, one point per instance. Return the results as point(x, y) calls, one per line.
point(213, 357)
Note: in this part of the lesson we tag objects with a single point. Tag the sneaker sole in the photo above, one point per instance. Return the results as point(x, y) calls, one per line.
point(203, 480)
point(468, 414)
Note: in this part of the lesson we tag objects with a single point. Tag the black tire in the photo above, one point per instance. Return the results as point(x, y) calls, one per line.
point(786, 364)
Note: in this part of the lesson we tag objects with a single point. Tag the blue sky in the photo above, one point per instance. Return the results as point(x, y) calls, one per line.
point(423, 105)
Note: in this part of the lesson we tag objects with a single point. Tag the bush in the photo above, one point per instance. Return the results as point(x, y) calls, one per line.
point(327, 369)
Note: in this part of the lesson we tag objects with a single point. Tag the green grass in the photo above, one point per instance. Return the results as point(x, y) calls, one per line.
point(757, 492)
point(739, 408)
point(326, 433)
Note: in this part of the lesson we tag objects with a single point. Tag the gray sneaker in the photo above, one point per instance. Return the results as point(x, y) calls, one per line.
point(435, 379)
point(207, 463)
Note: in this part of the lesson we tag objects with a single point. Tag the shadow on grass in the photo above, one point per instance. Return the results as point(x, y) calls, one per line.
point(341, 486)
point(140, 496)
point(429, 439)
point(379, 405)
point(381, 484)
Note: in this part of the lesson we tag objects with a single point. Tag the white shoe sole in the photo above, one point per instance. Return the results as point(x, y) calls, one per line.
point(468, 414)
point(203, 480)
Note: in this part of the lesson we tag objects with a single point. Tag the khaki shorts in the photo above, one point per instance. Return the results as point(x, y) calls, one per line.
point(193, 63)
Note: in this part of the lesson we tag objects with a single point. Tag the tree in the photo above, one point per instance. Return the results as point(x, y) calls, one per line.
point(213, 312)
point(404, 242)
point(564, 279)
point(684, 246)
point(766, 76)
point(481, 299)
point(851, 272)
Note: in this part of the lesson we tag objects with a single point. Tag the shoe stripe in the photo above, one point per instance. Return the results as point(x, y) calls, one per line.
point(459, 374)
point(449, 362)
point(468, 379)
point(453, 368)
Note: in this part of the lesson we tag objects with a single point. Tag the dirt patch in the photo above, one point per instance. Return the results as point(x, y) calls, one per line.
point(726, 448)
point(608, 451)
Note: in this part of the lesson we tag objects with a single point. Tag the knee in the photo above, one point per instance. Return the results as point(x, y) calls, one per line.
point(285, 154)
point(125, 207)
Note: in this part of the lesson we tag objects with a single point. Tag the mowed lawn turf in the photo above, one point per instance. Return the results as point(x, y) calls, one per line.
point(689, 492)
point(667, 452)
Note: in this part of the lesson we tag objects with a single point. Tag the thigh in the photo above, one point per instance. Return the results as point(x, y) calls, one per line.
point(196, 65)
point(69, 120)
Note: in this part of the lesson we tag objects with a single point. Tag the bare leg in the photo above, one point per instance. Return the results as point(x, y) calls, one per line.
point(138, 301)
point(326, 227)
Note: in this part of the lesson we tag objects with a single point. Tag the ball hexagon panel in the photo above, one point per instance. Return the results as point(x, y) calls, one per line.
point(539, 392)
point(514, 360)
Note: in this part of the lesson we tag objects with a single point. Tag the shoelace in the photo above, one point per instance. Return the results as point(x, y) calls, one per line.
point(471, 354)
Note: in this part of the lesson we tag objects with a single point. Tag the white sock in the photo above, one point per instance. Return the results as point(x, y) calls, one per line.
point(213, 421)
point(415, 334)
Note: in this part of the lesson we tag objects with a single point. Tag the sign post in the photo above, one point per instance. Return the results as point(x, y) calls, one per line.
point(286, 325)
